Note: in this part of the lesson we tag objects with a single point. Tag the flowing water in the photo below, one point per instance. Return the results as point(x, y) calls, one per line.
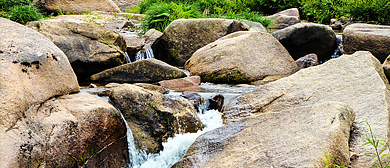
point(145, 53)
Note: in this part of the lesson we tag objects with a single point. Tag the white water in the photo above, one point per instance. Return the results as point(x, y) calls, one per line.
point(145, 53)
point(177, 146)
point(127, 58)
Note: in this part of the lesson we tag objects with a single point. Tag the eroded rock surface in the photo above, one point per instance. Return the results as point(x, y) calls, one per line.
point(284, 18)
point(184, 36)
point(76, 6)
point(367, 37)
point(241, 57)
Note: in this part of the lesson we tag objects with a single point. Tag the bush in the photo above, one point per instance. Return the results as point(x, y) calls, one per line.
point(24, 14)
point(322, 11)
point(270, 7)
point(6, 5)
point(370, 10)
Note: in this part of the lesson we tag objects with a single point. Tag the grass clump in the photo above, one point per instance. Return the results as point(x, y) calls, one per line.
point(20, 11)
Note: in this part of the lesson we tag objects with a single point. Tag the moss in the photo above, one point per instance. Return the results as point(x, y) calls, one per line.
point(172, 55)
point(227, 76)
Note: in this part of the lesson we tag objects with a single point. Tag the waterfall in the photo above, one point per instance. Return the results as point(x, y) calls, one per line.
point(136, 158)
point(127, 58)
point(145, 53)
point(339, 50)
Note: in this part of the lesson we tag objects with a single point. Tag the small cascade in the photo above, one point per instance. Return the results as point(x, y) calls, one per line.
point(127, 58)
point(339, 50)
point(135, 157)
point(145, 53)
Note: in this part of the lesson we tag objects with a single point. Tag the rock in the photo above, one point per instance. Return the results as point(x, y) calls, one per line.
point(305, 38)
point(76, 6)
point(184, 36)
point(386, 67)
point(367, 37)
point(241, 57)
point(92, 86)
point(152, 87)
point(254, 26)
point(181, 82)
point(195, 98)
point(120, 24)
point(32, 70)
point(148, 70)
point(135, 44)
point(90, 48)
point(125, 4)
point(295, 137)
point(154, 117)
point(336, 24)
point(284, 18)
point(269, 79)
point(308, 60)
point(216, 102)
point(357, 80)
point(151, 36)
point(42, 126)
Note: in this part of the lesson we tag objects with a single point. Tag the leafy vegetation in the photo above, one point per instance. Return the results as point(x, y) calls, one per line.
point(380, 146)
point(329, 162)
point(20, 11)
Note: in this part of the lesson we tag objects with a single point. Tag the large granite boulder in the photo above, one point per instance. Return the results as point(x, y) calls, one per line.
point(284, 18)
point(305, 38)
point(90, 48)
point(147, 70)
point(367, 37)
point(296, 137)
point(40, 124)
point(357, 80)
point(241, 57)
point(76, 6)
point(154, 117)
point(184, 36)
point(181, 82)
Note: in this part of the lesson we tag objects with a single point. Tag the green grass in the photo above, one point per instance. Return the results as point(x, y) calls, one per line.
point(24, 14)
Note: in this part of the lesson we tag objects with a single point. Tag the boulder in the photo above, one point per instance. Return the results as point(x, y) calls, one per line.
point(305, 38)
point(336, 24)
point(195, 98)
point(241, 57)
point(254, 26)
point(125, 4)
point(41, 125)
point(90, 48)
point(216, 102)
point(307, 61)
point(152, 87)
point(295, 137)
point(367, 37)
point(76, 6)
point(153, 117)
point(284, 18)
point(136, 44)
point(184, 36)
point(117, 25)
point(357, 80)
point(181, 82)
point(147, 70)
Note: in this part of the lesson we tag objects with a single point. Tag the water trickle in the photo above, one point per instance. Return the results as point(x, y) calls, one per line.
point(145, 53)
point(127, 58)
point(339, 50)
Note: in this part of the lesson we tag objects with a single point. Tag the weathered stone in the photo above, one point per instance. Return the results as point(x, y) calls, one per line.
point(152, 87)
point(216, 102)
point(296, 137)
point(32, 70)
point(195, 98)
point(305, 38)
point(181, 82)
point(148, 70)
point(76, 6)
point(336, 24)
point(367, 37)
point(151, 36)
point(284, 18)
point(65, 132)
point(134, 45)
point(241, 57)
point(153, 117)
point(357, 80)
point(254, 26)
point(184, 36)
point(120, 24)
point(89, 48)
point(125, 4)
point(308, 60)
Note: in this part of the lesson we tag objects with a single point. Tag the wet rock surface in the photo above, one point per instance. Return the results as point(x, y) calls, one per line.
point(305, 38)
point(89, 48)
point(241, 57)
point(154, 117)
point(367, 37)
point(148, 71)
point(183, 37)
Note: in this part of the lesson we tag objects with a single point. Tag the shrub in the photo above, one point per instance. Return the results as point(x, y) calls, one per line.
point(24, 14)
point(322, 11)
point(370, 10)
point(271, 6)
point(6, 5)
